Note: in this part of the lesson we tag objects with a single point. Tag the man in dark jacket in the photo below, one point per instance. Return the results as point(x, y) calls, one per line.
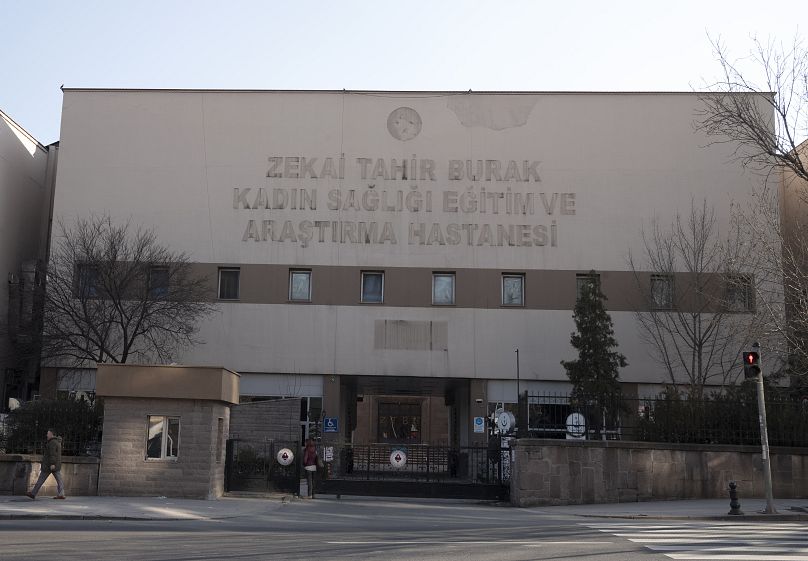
point(51, 465)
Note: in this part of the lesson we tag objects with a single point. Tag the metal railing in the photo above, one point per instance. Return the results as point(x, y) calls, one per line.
point(23, 431)
point(254, 466)
point(421, 462)
point(718, 420)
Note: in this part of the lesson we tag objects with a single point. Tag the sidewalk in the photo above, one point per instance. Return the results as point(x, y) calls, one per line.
point(162, 508)
point(136, 508)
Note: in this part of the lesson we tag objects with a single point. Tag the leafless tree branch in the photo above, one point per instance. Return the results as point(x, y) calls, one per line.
point(102, 303)
point(696, 337)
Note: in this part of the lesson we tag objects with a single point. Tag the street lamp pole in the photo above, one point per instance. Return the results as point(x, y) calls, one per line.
point(764, 440)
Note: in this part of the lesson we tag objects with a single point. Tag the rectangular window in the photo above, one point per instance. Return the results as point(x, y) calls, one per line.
point(513, 289)
point(740, 295)
point(163, 438)
point(229, 284)
point(443, 289)
point(584, 280)
point(662, 292)
point(300, 286)
point(372, 287)
point(399, 422)
point(158, 282)
point(87, 281)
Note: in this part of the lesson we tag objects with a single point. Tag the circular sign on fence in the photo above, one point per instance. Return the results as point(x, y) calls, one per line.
point(576, 425)
point(398, 458)
point(505, 421)
point(285, 456)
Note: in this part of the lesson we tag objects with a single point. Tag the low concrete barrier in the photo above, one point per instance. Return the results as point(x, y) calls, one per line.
point(19, 472)
point(553, 472)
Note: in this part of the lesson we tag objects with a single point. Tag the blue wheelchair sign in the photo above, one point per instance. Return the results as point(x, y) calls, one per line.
point(331, 424)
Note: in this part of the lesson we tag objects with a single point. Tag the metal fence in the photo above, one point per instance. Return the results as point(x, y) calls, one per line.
point(718, 420)
point(422, 462)
point(255, 466)
point(23, 430)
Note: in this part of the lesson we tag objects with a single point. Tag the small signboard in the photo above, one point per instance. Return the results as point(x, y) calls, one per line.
point(331, 424)
point(285, 456)
point(328, 454)
point(505, 421)
point(398, 458)
point(479, 424)
point(576, 426)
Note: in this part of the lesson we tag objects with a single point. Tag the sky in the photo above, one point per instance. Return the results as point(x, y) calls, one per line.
point(570, 45)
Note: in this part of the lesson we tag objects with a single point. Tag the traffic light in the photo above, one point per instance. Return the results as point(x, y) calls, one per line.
point(751, 364)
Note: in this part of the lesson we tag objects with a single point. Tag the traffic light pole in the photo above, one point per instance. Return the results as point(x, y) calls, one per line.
point(764, 441)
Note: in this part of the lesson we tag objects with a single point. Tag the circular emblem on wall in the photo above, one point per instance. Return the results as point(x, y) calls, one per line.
point(285, 456)
point(404, 123)
point(398, 458)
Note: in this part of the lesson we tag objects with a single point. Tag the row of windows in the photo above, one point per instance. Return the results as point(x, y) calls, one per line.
point(738, 291)
point(89, 283)
point(372, 287)
point(739, 294)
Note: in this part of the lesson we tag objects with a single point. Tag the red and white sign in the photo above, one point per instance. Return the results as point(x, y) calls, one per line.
point(398, 458)
point(285, 456)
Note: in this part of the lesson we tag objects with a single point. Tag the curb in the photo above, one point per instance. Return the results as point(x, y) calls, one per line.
point(724, 517)
point(87, 517)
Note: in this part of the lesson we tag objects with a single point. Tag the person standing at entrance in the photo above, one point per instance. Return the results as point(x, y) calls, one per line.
point(310, 462)
point(51, 465)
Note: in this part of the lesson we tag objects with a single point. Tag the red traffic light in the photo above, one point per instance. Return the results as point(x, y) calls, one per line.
point(751, 364)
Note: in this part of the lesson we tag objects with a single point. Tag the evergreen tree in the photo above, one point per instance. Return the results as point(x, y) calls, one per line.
point(594, 374)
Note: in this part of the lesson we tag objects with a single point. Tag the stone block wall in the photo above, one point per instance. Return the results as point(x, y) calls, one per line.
point(19, 472)
point(198, 470)
point(552, 472)
point(260, 421)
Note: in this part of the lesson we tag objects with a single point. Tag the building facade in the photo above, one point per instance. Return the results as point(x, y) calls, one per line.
point(27, 173)
point(385, 254)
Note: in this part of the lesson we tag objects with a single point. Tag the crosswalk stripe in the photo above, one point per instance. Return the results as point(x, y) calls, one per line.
point(737, 557)
point(723, 541)
point(727, 548)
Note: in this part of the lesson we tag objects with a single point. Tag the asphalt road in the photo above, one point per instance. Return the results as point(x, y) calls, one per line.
point(370, 529)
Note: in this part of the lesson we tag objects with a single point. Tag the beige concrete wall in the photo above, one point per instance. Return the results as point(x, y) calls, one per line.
point(19, 472)
point(547, 472)
point(175, 160)
point(196, 473)
point(180, 382)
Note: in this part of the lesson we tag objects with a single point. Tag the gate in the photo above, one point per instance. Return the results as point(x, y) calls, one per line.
point(416, 471)
point(253, 466)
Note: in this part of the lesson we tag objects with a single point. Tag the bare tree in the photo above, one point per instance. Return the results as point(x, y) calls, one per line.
point(774, 236)
point(115, 294)
point(765, 121)
point(694, 299)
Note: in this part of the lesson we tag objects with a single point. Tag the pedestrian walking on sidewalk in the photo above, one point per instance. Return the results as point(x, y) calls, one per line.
point(311, 461)
point(51, 465)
